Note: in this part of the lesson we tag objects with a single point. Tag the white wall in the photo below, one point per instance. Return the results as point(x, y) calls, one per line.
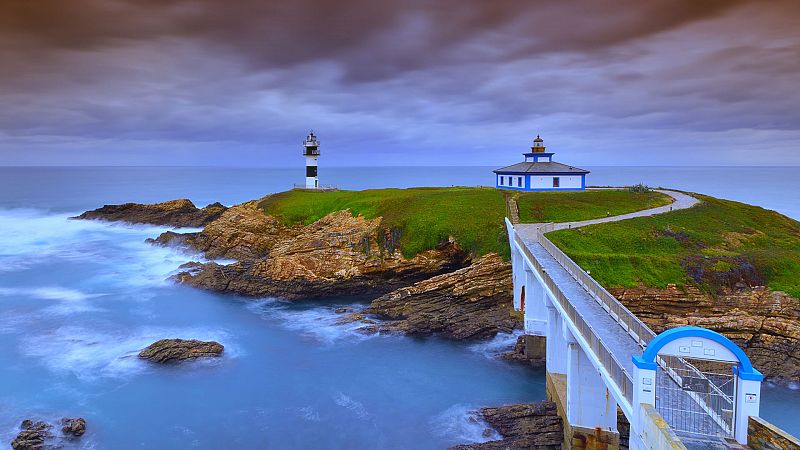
point(565, 181)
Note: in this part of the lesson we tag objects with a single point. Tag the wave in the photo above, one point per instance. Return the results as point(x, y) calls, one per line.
point(501, 343)
point(321, 323)
point(89, 353)
point(116, 252)
point(463, 424)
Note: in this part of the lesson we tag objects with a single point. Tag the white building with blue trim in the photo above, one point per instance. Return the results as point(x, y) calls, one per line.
point(540, 173)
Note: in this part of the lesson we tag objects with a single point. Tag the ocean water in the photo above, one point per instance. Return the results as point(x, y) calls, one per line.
point(78, 300)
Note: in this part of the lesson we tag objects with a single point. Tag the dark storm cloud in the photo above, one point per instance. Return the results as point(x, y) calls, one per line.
point(397, 75)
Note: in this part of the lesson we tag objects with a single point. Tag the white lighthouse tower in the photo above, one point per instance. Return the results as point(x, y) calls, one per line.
point(311, 152)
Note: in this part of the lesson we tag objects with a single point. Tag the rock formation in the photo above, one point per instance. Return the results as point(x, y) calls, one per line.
point(526, 426)
point(470, 303)
point(765, 323)
point(177, 350)
point(523, 353)
point(73, 427)
point(336, 255)
point(33, 435)
point(174, 213)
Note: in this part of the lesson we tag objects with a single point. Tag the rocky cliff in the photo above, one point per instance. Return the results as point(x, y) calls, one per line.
point(469, 303)
point(336, 255)
point(174, 213)
point(765, 323)
point(526, 426)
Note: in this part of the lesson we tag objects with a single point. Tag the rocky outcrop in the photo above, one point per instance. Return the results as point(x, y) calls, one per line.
point(33, 436)
point(243, 232)
point(470, 303)
point(336, 255)
point(73, 427)
point(177, 350)
point(527, 426)
point(529, 350)
point(174, 213)
point(765, 323)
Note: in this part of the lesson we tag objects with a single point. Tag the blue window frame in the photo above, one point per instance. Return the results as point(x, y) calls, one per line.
point(556, 182)
point(519, 181)
point(502, 181)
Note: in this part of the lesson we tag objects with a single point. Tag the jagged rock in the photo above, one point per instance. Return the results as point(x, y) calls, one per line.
point(175, 213)
point(33, 435)
point(765, 323)
point(73, 427)
point(525, 426)
point(337, 255)
point(176, 350)
point(470, 303)
point(243, 232)
point(535, 357)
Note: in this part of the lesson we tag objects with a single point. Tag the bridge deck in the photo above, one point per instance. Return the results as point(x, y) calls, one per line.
point(617, 340)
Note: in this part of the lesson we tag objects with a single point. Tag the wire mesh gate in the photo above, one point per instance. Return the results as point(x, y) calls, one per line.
point(696, 396)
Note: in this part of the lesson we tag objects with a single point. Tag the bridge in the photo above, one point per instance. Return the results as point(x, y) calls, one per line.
point(687, 387)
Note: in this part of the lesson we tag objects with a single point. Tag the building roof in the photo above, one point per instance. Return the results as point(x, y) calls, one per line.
point(541, 167)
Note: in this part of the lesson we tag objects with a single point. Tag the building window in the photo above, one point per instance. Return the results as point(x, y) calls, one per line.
point(519, 181)
point(502, 180)
point(556, 181)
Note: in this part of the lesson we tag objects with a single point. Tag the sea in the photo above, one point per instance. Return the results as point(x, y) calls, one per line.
point(79, 299)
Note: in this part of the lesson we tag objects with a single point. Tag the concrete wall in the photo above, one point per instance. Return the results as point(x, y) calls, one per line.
point(565, 181)
point(762, 435)
point(656, 434)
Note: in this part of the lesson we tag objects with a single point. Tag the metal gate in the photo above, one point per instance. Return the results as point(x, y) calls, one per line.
point(696, 396)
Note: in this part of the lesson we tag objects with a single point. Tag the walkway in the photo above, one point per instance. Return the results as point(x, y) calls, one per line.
point(680, 201)
point(619, 342)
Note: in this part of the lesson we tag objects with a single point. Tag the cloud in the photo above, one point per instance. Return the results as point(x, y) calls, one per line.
point(163, 79)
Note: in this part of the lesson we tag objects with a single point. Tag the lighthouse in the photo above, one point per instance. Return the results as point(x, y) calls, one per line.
point(311, 152)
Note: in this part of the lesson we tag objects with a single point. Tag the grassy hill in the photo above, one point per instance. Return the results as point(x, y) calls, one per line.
point(426, 217)
point(569, 207)
point(713, 245)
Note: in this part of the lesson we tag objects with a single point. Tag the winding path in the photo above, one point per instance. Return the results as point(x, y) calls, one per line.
point(680, 201)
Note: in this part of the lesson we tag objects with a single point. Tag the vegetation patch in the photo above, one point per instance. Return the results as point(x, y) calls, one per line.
point(718, 243)
point(575, 206)
point(414, 220)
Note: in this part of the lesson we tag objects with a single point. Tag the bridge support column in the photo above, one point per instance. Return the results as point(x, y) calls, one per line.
point(556, 347)
point(536, 315)
point(517, 275)
point(591, 409)
point(748, 398)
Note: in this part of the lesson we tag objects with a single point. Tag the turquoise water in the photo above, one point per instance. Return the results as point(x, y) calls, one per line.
point(78, 300)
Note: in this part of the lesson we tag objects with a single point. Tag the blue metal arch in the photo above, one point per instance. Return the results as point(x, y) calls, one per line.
point(745, 370)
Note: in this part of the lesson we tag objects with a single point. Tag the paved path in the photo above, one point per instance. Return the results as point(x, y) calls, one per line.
point(618, 341)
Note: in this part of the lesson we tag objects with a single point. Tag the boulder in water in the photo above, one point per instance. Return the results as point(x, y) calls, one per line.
point(32, 436)
point(73, 427)
point(177, 350)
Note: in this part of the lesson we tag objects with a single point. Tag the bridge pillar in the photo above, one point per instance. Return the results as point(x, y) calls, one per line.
point(517, 275)
point(591, 409)
point(536, 315)
point(556, 347)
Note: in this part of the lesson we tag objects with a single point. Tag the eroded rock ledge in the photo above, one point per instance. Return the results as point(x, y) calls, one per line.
point(470, 303)
point(525, 426)
point(336, 255)
point(176, 350)
point(37, 435)
point(174, 213)
point(765, 323)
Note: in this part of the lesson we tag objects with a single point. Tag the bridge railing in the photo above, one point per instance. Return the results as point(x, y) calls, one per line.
point(636, 328)
point(612, 365)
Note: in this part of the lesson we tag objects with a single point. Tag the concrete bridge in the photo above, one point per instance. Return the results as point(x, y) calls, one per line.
point(688, 387)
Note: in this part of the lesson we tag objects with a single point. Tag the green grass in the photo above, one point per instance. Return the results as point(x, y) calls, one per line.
point(424, 217)
point(575, 206)
point(709, 245)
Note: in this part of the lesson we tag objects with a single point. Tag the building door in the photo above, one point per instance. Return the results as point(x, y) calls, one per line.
point(522, 301)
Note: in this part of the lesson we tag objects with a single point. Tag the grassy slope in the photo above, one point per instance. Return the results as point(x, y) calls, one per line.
point(717, 235)
point(568, 207)
point(428, 216)
point(425, 216)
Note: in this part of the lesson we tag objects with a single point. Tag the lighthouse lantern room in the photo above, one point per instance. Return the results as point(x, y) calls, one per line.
point(311, 152)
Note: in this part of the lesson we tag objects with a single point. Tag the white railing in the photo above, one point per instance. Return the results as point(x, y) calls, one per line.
point(638, 330)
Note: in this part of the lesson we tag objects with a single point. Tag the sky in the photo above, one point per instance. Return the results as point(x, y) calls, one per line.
point(438, 82)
